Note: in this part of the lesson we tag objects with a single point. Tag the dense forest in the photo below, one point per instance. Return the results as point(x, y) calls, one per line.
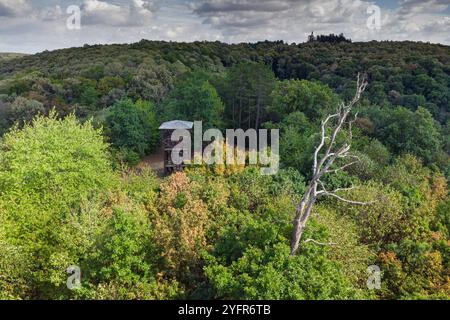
point(75, 123)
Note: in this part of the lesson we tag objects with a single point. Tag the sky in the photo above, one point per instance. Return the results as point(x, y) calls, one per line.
point(30, 26)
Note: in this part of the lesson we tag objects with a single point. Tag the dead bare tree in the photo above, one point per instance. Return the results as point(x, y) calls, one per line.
point(325, 156)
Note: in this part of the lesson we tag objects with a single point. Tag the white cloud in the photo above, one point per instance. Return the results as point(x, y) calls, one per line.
point(413, 7)
point(30, 26)
point(14, 8)
point(136, 12)
point(291, 20)
point(286, 19)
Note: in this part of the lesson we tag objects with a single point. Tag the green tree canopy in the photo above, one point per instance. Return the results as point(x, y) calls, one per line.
point(47, 170)
point(315, 100)
point(133, 127)
point(404, 131)
point(246, 91)
point(195, 99)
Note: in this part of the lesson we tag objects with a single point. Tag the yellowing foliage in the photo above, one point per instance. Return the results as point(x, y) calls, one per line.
point(180, 225)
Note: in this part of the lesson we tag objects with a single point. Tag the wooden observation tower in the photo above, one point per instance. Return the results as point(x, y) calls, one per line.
point(169, 146)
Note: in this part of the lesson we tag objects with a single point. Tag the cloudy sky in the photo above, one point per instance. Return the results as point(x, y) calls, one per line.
point(31, 26)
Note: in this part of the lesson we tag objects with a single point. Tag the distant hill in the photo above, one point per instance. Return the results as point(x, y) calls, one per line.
point(5, 56)
point(287, 60)
point(400, 73)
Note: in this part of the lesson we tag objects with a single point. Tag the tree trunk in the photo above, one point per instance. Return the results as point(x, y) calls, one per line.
point(258, 112)
point(234, 120)
point(240, 112)
point(302, 216)
point(298, 230)
point(249, 114)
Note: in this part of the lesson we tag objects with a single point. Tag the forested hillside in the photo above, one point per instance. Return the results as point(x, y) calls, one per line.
point(9, 56)
point(74, 124)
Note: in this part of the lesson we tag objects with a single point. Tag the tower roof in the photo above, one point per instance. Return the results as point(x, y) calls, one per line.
point(176, 124)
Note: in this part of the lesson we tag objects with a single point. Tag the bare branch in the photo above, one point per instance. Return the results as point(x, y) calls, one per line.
point(322, 186)
point(350, 124)
point(322, 140)
point(320, 243)
point(343, 189)
point(324, 191)
point(342, 151)
point(331, 194)
point(342, 167)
